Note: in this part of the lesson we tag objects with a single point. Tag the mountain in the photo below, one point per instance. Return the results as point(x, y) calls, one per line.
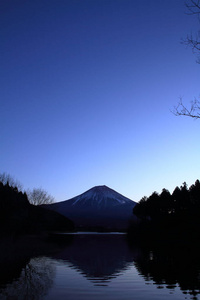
point(99, 208)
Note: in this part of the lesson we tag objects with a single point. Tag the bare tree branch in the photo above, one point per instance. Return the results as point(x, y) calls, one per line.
point(194, 43)
point(193, 7)
point(193, 40)
point(6, 178)
point(38, 196)
point(193, 111)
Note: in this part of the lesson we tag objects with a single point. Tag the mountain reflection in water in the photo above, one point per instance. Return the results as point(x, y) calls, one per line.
point(111, 267)
point(99, 257)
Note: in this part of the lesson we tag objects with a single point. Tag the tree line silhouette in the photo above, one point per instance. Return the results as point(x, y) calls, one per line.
point(18, 216)
point(165, 215)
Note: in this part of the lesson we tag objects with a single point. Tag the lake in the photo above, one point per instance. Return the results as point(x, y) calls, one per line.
point(101, 266)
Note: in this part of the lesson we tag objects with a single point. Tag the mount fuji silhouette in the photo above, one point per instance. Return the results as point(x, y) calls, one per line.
point(99, 208)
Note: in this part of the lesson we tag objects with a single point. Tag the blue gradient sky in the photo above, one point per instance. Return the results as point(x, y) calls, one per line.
point(86, 92)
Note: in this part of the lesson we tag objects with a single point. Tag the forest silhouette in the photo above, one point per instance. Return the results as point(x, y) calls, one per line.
point(18, 216)
point(167, 216)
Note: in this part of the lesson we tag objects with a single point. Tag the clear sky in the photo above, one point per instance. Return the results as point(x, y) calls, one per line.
point(86, 92)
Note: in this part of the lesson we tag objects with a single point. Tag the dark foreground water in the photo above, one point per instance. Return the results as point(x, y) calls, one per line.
point(101, 266)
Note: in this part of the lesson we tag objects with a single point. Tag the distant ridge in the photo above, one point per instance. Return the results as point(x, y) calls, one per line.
point(99, 208)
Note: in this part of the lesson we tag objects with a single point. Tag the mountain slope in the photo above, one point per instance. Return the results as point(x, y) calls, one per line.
point(98, 208)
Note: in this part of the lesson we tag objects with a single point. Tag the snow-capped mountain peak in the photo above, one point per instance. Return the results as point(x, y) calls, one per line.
point(101, 196)
point(99, 207)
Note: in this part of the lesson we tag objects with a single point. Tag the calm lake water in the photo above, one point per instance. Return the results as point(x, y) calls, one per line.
point(103, 266)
